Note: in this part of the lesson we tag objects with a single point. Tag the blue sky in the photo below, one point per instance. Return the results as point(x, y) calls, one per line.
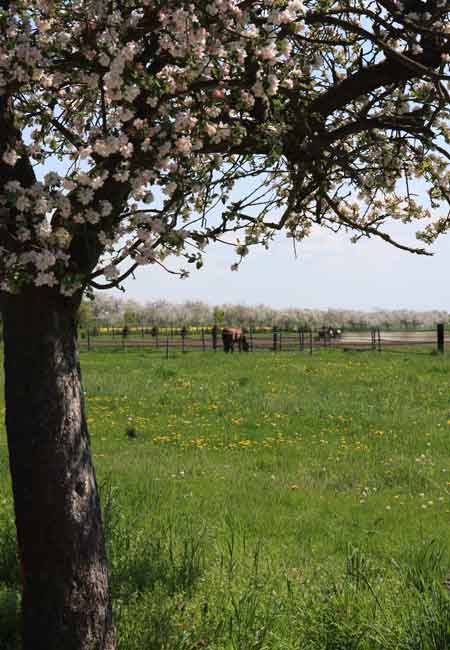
point(329, 271)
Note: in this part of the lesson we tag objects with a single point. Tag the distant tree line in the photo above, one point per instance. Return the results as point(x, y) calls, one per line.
point(108, 310)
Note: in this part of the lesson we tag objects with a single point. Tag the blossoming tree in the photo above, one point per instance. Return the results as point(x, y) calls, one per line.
point(125, 127)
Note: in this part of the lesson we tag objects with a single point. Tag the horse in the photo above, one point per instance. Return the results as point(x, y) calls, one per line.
point(232, 335)
point(328, 333)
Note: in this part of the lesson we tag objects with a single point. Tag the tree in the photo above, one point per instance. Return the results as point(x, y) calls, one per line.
point(85, 314)
point(132, 312)
point(124, 129)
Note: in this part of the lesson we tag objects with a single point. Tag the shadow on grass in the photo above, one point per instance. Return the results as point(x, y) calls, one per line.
point(9, 587)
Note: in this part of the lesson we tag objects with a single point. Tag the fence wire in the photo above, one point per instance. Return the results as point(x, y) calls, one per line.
point(302, 340)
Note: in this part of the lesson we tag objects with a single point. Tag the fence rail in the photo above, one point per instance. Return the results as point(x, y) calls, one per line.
point(278, 341)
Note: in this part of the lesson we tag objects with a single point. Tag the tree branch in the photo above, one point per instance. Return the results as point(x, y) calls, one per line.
point(369, 230)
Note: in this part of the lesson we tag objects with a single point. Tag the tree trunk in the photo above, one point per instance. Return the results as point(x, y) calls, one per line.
point(65, 596)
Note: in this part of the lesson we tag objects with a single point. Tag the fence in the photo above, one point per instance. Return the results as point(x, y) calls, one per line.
point(302, 340)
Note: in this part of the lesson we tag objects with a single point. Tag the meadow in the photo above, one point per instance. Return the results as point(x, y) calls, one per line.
point(267, 501)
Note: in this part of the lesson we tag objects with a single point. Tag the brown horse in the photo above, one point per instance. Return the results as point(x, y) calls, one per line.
point(328, 333)
point(232, 335)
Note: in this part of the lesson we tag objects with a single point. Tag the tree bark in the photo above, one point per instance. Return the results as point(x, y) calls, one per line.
point(65, 596)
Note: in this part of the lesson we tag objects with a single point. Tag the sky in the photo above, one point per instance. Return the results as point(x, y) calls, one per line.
point(329, 272)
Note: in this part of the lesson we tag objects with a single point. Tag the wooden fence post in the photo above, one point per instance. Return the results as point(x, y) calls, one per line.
point(203, 340)
point(167, 346)
point(251, 338)
point(88, 340)
point(440, 338)
point(214, 332)
point(310, 341)
point(274, 339)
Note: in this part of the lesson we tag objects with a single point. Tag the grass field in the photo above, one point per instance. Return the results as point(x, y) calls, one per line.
point(268, 501)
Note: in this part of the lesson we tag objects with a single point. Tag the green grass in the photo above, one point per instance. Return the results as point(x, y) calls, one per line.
point(268, 501)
